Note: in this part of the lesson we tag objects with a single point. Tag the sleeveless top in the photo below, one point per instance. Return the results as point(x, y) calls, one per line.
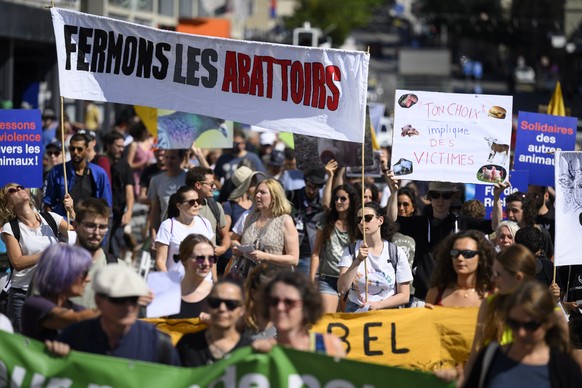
point(272, 241)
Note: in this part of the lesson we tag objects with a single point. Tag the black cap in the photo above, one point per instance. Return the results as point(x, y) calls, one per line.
point(277, 158)
point(54, 144)
point(315, 176)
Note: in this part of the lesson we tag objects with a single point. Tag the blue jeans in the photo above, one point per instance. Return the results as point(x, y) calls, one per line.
point(304, 265)
point(16, 299)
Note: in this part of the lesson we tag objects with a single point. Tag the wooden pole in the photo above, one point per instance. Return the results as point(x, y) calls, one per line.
point(363, 218)
point(63, 154)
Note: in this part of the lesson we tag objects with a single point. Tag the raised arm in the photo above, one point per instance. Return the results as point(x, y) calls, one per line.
point(330, 168)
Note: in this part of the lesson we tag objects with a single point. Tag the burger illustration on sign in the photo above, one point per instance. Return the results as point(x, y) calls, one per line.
point(497, 112)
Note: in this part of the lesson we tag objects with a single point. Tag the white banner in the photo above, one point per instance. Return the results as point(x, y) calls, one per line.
point(311, 91)
point(568, 207)
point(451, 137)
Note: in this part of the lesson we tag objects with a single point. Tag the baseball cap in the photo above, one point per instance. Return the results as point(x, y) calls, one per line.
point(89, 134)
point(442, 186)
point(48, 113)
point(315, 176)
point(119, 281)
point(277, 158)
point(267, 138)
point(54, 144)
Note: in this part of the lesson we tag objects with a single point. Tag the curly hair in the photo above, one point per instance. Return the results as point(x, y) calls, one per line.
point(388, 227)
point(445, 276)
point(332, 214)
point(312, 303)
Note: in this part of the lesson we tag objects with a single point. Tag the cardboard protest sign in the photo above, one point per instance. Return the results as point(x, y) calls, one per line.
point(568, 207)
point(451, 137)
point(538, 137)
point(178, 130)
point(21, 148)
point(307, 90)
point(315, 152)
point(484, 193)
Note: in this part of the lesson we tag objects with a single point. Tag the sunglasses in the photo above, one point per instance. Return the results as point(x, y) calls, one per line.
point(200, 259)
point(76, 149)
point(230, 304)
point(367, 217)
point(53, 153)
point(341, 199)
point(437, 195)
point(516, 325)
point(14, 189)
point(403, 204)
point(289, 303)
point(192, 202)
point(467, 253)
point(123, 300)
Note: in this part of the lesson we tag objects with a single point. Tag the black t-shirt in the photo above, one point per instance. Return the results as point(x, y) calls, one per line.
point(148, 173)
point(193, 349)
point(121, 176)
point(191, 309)
point(548, 222)
point(84, 186)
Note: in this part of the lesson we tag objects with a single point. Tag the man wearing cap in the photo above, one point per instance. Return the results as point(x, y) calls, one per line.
point(118, 332)
point(53, 152)
point(84, 179)
point(430, 229)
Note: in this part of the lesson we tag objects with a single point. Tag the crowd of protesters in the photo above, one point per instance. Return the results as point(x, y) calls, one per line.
point(263, 249)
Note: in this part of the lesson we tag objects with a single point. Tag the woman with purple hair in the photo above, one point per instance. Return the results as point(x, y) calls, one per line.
point(62, 273)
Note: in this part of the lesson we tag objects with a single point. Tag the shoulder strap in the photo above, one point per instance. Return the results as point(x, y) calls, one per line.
point(51, 222)
point(164, 347)
point(352, 250)
point(393, 253)
point(15, 228)
point(214, 209)
point(487, 360)
point(110, 258)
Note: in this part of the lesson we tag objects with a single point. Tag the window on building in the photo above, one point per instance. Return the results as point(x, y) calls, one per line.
point(166, 7)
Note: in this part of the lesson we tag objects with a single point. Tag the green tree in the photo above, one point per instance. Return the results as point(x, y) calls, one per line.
point(339, 17)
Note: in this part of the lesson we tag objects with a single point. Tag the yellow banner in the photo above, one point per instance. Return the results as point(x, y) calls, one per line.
point(415, 338)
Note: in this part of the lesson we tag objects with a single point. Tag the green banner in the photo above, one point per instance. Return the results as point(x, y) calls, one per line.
point(24, 363)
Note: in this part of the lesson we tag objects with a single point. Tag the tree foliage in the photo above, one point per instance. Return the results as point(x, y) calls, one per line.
point(340, 17)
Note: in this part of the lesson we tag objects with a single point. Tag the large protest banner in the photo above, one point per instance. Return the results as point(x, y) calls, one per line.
point(23, 363)
point(484, 193)
point(419, 339)
point(538, 137)
point(312, 91)
point(21, 148)
point(451, 137)
point(568, 172)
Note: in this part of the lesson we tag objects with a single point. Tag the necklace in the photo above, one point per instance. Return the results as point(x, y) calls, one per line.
point(218, 352)
point(466, 290)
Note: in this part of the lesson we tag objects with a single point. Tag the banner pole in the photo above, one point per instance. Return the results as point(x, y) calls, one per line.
point(63, 153)
point(363, 218)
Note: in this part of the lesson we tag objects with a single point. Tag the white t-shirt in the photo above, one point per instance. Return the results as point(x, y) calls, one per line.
point(32, 241)
point(381, 277)
point(172, 232)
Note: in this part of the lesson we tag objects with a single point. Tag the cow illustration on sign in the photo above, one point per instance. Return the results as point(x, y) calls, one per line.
point(496, 149)
point(571, 183)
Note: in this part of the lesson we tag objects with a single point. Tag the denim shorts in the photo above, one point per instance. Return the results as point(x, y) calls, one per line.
point(327, 285)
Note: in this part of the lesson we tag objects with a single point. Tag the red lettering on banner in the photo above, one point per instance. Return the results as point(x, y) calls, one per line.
point(229, 83)
point(257, 85)
point(270, 61)
point(318, 98)
point(333, 73)
point(297, 82)
point(284, 78)
point(244, 66)
point(307, 94)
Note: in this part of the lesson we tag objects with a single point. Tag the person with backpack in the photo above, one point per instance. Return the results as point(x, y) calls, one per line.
point(375, 273)
point(26, 234)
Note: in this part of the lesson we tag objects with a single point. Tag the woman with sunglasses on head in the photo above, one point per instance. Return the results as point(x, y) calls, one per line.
point(291, 302)
point(26, 234)
point(197, 256)
point(269, 233)
point(538, 356)
point(387, 281)
point(183, 220)
point(221, 337)
point(463, 275)
point(62, 272)
point(334, 233)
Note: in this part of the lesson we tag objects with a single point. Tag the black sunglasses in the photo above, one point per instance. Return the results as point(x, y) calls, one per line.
point(467, 253)
point(341, 199)
point(437, 195)
point(192, 202)
point(230, 304)
point(200, 259)
point(123, 300)
point(53, 153)
point(367, 217)
point(14, 189)
point(516, 325)
point(76, 149)
point(289, 303)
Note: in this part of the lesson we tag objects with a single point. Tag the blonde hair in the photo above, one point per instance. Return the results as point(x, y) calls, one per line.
point(279, 203)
